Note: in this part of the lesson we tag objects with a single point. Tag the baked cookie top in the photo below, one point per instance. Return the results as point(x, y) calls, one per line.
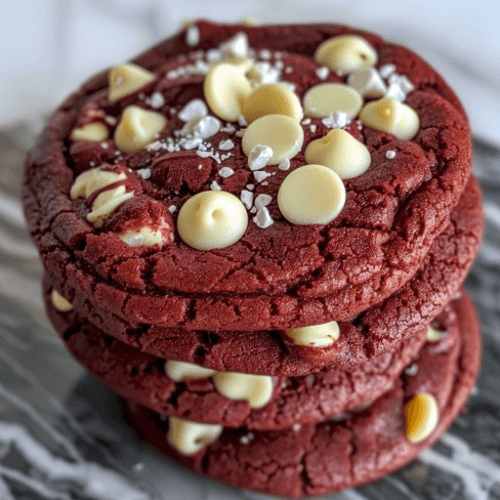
point(239, 177)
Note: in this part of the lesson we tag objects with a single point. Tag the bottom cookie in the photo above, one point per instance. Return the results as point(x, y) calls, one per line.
point(336, 454)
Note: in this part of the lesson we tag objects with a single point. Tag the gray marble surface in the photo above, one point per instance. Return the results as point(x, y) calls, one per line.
point(62, 435)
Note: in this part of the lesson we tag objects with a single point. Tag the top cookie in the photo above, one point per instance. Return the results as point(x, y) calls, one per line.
point(281, 176)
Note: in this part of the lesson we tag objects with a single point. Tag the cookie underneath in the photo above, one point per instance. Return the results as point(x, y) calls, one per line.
point(330, 456)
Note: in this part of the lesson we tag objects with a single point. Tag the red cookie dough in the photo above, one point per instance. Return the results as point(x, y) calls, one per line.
point(141, 378)
point(332, 456)
point(279, 277)
point(380, 329)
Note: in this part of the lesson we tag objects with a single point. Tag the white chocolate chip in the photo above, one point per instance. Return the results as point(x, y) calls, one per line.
point(316, 335)
point(180, 371)
point(256, 389)
point(272, 99)
point(434, 335)
point(279, 132)
point(247, 198)
point(137, 129)
point(193, 109)
point(226, 89)
point(346, 53)
point(126, 79)
point(390, 155)
point(59, 302)
point(259, 156)
point(312, 194)
point(212, 219)
point(422, 416)
point(94, 132)
point(327, 99)
point(322, 73)
point(262, 201)
point(263, 218)
point(260, 175)
point(341, 152)
point(237, 46)
point(390, 115)
point(192, 36)
point(189, 437)
point(226, 172)
point(367, 82)
point(144, 238)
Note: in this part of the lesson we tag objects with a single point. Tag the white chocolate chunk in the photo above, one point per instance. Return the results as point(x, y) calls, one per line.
point(127, 79)
point(144, 238)
point(434, 335)
point(279, 132)
point(180, 371)
point(95, 132)
point(390, 115)
point(59, 302)
point(327, 99)
point(346, 53)
point(272, 99)
point(195, 108)
point(226, 88)
point(212, 219)
point(96, 179)
point(138, 128)
point(256, 389)
point(422, 416)
point(367, 82)
point(316, 335)
point(312, 194)
point(189, 437)
point(341, 152)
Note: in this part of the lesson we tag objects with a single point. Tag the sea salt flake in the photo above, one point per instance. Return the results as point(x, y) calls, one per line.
point(263, 218)
point(288, 70)
point(200, 167)
point(262, 201)
point(192, 36)
point(241, 121)
point(246, 198)
point(213, 55)
point(322, 73)
point(206, 127)
point(193, 109)
point(296, 427)
point(190, 144)
point(387, 70)
point(226, 145)
point(337, 120)
point(104, 145)
point(313, 127)
point(172, 208)
point(203, 154)
point(305, 121)
point(265, 54)
point(145, 173)
point(260, 175)
point(226, 172)
point(265, 73)
point(157, 101)
point(367, 82)
point(229, 128)
point(259, 156)
point(237, 46)
point(250, 186)
point(390, 155)
point(247, 438)
point(224, 157)
point(412, 370)
point(285, 164)
point(215, 186)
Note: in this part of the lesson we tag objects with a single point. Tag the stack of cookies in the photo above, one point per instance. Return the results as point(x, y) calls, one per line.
point(257, 236)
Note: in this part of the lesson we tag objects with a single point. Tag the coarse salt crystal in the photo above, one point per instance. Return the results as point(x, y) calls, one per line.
point(387, 70)
point(145, 173)
point(193, 109)
point(157, 101)
point(246, 198)
point(215, 186)
point(192, 36)
point(322, 73)
point(226, 145)
point(226, 172)
point(263, 218)
point(285, 164)
point(390, 155)
point(259, 156)
point(262, 201)
point(172, 208)
point(260, 175)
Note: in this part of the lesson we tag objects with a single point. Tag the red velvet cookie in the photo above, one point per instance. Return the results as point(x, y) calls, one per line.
point(267, 403)
point(380, 329)
point(117, 239)
point(332, 456)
